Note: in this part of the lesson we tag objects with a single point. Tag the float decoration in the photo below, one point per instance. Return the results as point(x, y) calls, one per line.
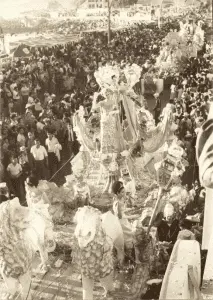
point(178, 47)
point(23, 231)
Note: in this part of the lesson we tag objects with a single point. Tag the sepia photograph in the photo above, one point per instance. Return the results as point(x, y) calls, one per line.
point(106, 149)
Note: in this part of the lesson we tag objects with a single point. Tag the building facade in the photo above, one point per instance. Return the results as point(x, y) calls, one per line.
point(96, 4)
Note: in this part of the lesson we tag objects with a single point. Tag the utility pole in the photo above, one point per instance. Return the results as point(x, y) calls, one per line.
point(159, 14)
point(109, 20)
point(212, 15)
point(109, 6)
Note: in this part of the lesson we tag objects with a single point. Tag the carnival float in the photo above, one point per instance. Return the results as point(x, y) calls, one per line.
point(179, 46)
point(119, 141)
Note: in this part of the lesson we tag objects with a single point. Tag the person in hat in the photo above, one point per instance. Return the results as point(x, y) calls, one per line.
point(66, 97)
point(28, 105)
point(168, 229)
point(119, 207)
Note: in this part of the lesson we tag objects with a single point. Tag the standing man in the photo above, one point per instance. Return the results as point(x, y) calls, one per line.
point(53, 150)
point(40, 159)
point(68, 138)
point(14, 170)
point(157, 108)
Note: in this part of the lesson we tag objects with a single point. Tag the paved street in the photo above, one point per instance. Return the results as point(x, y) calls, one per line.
point(59, 284)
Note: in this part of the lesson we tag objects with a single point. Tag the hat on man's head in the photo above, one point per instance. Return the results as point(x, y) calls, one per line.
point(46, 120)
point(188, 135)
point(28, 105)
point(23, 148)
point(3, 185)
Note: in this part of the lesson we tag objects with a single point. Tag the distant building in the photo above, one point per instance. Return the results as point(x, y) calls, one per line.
point(94, 4)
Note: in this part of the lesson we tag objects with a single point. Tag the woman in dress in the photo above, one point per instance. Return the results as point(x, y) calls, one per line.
point(119, 207)
point(111, 133)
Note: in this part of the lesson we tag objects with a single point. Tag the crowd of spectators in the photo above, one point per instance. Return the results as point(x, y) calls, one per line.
point(40, 94)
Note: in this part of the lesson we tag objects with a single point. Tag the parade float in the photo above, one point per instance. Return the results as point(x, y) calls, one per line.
point(136, 151)
point(177, 47)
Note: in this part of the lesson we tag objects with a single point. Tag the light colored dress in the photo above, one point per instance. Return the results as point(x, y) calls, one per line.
point(119, 206)
point(111, 134)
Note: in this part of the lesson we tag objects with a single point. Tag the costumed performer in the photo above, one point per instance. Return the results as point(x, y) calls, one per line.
point(119, 207)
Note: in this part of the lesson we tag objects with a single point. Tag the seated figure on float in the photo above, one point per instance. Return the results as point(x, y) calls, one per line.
point(23, 232)
point(168, 229)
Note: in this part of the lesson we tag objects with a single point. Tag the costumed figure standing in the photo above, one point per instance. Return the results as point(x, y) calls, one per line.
point(119, 208)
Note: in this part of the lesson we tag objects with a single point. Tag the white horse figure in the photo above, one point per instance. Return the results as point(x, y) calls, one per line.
point(23, 231)
point(95, 235)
